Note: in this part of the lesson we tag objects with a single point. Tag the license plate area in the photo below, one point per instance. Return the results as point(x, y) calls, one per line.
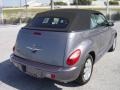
point(23, 67)
point(34, 72)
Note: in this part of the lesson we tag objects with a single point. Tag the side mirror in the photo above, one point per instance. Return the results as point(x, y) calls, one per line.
point(110, 23)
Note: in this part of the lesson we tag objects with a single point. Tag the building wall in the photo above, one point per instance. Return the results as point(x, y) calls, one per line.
point(98, 3)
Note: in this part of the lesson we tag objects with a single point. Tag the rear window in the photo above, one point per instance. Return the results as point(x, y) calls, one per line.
point(48, 22)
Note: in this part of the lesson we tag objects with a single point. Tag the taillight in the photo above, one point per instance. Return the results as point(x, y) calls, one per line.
point(53, 76)
point(13, 48)
point(74, 57)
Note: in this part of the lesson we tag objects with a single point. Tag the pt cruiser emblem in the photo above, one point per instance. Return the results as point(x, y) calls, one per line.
point(33, 48)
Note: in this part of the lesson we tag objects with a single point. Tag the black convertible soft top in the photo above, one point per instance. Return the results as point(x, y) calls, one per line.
point(79, 19)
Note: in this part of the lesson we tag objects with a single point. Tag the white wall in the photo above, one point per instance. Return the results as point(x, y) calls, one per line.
point(98, 3)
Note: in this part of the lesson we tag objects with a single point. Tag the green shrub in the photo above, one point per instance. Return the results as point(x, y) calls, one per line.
point(60, 3)
point(17, 20)
point(113, 2)
point(82, 2)
point(26, 20)
point(116, 16)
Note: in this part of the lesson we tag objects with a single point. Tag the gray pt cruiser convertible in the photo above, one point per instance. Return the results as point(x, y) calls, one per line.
point(63, 44)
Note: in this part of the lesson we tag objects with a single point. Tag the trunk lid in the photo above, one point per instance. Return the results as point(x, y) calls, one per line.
point(42, 46)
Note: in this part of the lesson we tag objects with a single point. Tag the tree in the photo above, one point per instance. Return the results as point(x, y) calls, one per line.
point(60, 3)
point(114, 2)
point(82, 2)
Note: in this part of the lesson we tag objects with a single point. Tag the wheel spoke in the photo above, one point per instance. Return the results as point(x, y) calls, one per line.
point(114, 43)
point(87, 69)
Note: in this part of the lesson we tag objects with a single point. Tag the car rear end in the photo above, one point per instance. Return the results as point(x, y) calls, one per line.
point(43, 54)
point(45, 48)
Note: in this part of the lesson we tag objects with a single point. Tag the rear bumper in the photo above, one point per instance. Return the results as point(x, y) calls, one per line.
point(39, 70)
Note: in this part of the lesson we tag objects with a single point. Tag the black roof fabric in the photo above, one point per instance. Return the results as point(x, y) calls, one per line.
point(65, 11)
point(79, 19)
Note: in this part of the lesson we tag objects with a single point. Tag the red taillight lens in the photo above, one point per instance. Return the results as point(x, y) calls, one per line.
point(74, 57)
point(53, 76)
point(13, 48)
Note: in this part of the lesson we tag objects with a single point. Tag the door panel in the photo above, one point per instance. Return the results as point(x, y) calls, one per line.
point(102, 32)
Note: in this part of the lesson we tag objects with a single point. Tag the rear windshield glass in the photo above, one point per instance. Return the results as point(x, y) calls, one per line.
point(48, 22)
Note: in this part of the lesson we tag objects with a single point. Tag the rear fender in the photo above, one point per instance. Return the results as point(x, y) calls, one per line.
point(85, 47)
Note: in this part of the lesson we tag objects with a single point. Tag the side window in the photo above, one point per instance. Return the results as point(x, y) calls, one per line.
point(93, 23)
point(98, 20)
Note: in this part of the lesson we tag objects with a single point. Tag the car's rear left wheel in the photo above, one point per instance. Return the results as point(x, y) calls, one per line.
point(86, 71)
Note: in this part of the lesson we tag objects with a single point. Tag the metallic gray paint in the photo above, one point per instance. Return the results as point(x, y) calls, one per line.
point(53, 49)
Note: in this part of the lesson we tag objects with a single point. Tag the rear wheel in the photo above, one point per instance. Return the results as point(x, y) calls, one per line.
point(86, 71)
point(114, 45)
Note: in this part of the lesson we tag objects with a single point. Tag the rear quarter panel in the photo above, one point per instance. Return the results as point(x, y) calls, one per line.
point(79, 40)
point(86, 41)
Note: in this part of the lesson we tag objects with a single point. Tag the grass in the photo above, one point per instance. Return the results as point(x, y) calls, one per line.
point(21, 12)
point(10, 13)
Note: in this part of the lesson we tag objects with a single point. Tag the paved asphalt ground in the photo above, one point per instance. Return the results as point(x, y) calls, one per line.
point(106, 74)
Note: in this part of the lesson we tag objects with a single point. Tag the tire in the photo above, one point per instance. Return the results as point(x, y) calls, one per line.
point(113, 46)
point(83, 78)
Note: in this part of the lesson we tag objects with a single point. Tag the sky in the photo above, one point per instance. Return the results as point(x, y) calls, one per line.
point(17, 2)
